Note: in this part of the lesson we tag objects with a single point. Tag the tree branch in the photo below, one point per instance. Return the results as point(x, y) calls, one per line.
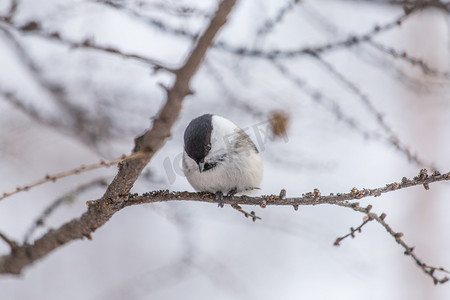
point(100, 211)
point(129, 170)
point(353, 231)
point(429, 270)
point(12, 244)
point(34, 28)
point(311, 198)
point(54, 177)
point(402, 55)
point(392, 138)
point(40, 221)
point(348, 42)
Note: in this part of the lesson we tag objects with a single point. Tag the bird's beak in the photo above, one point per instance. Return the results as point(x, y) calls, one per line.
point(200, 166)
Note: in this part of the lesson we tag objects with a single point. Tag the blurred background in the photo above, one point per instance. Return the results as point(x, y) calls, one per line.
point(363, 88)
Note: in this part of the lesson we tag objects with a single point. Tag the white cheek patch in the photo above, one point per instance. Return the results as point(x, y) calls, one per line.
point(223, 135)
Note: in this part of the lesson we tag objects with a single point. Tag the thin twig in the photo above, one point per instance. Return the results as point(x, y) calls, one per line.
point(135, 13)
point(445, 6)
point(427, 269)
point(79, 170)
point(369, 56)
point(418, 62)
point(246, 214)
point(34, 28)
point(12, 9)
point(40, 221)
point(348, 42)
point(13, 245)
point(393, 139)
point(241, 51)
point(228, 92)
point(352, 232)
point(270, 24)
point(326, 102)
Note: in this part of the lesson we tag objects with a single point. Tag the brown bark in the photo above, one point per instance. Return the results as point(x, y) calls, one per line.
point(150, 142)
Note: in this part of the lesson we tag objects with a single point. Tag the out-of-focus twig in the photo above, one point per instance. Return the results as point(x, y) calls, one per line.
point(418, 62)
point(58, 202)
point(320, 98)
point(34, 28)
point(392, 139)
point(12, 9)
point(79, 170)
point(13, 245)
point(344, 43)
point(443, 5)
point(270, 24)
point(276, 53)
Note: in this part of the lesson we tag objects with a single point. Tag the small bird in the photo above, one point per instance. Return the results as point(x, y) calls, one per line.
point(219, 157)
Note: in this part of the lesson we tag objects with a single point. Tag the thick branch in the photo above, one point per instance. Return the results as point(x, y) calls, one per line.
point(129, 170)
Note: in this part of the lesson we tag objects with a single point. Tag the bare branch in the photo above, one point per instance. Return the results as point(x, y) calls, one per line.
point(445, 6)
point(152, 140)
point(77, 121)
point(147, 20)
point(393, 139)
point(352, 232)
point(350, 41)
point(30, 111)
point(12, 9)
point(13, 245)
point(429, 270)
point(34, 28)
point(320, 20)
point(40, 221)
point(329, 104)
point(311, 198)
point(228, 92)
point(100, 211)
point(246, 214)
point(418, 62)
point(270, 24)
point(345, 43)
point(129, 170)
point(79, 170)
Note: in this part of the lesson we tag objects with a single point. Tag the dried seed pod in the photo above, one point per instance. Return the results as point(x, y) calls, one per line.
point(279, 121)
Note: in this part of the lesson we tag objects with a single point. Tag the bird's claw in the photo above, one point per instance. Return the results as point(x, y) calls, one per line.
point(219, 198)
point(232, 192)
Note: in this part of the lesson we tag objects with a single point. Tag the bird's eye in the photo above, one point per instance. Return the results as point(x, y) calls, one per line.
point(208, 147)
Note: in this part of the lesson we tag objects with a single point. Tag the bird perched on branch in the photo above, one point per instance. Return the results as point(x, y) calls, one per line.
point(219, 157)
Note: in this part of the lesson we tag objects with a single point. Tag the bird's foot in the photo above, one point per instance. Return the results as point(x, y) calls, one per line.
point(232, 192)
point(219, 198)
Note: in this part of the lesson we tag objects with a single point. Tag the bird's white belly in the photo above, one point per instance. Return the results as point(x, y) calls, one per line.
point(243, 173)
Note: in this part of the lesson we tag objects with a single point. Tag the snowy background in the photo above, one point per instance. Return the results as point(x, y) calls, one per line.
point(186, 250)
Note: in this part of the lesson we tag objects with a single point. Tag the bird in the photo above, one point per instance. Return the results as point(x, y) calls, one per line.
point(220, 158)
